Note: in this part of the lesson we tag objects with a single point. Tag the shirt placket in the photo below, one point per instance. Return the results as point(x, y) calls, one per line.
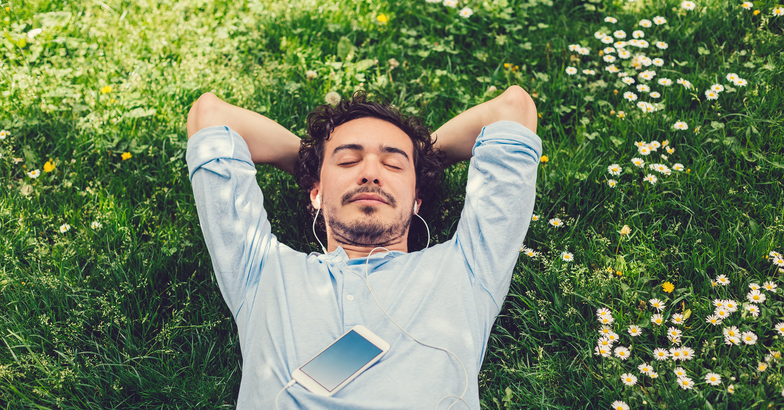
point(353, 287)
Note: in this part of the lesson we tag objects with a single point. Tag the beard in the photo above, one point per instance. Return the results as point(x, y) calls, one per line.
point(368, 229)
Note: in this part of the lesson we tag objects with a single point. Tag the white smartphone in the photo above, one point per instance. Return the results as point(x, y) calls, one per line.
point(340, 362)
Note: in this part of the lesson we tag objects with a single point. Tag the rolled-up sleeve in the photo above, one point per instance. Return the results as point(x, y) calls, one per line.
point(500, 196)
point(230, 206)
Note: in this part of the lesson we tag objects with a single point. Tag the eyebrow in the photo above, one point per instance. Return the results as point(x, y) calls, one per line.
point(357, 147)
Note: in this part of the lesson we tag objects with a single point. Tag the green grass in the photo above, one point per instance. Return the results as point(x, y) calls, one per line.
point(129, 315)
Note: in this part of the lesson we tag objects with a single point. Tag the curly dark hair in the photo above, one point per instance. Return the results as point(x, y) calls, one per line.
point(325, 118)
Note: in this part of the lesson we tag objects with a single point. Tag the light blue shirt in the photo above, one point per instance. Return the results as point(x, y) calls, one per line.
point(290, 305)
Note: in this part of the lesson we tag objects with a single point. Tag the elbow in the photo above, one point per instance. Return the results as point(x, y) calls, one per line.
point(203, 107)
point(518, 106)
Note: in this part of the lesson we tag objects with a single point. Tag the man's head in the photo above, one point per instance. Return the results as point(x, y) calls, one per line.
point(365, 166)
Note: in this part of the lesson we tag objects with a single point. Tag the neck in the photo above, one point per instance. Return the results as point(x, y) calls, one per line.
point(354, 250)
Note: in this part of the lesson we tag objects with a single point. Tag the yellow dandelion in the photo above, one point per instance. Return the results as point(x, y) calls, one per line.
point(49, 166)
point(756, 12)
point(544, 159)
point(668, 287)
point(126, 155)
point(382, 18)
point(106, 89)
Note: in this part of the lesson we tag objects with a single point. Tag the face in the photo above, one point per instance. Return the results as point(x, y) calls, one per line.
point(367, 183)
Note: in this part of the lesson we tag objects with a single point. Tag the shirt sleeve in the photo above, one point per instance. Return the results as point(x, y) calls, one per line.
point(230, 206)
point(499, 203)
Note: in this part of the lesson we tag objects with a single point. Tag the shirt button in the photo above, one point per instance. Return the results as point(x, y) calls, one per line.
point(350, 297)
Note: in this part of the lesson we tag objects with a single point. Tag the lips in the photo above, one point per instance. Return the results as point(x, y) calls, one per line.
point(369, 198)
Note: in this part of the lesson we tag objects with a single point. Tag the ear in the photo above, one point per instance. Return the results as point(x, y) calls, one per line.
point(315, 198)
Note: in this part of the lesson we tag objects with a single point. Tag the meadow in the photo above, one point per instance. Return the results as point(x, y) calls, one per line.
point(650, 278)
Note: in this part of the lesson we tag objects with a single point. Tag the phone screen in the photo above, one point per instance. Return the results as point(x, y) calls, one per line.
point(342, 359)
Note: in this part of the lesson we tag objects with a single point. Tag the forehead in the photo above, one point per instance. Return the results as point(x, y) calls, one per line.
point(370, 133)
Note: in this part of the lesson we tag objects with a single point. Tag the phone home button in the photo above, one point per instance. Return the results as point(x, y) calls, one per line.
point(350, 297)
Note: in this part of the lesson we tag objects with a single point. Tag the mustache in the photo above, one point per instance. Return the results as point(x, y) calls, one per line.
point(368, 190)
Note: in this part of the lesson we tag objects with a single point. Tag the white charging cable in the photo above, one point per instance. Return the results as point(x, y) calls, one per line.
point(290, 383)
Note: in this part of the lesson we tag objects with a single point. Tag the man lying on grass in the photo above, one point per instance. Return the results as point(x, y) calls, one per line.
point(366, 169)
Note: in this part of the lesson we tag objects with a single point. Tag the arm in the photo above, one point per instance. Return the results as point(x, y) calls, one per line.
point(457, 137)
point(268, 141)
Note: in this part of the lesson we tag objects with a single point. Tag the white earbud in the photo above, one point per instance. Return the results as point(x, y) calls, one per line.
point(415, 206)
point(318, 201)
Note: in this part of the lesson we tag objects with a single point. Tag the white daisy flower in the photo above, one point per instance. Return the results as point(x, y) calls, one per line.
point(677, 319)
point(534, 217)
point(770, 286)
point(645, 23)
point(568, 257)
point(602, 351)
point(658, 20)
point(622, 353)
point(656, 303)
point(65, 228)
point(722, 280)
point(657, 319)
point(731, 305)
point(732, 77)
point(755, 296)
point(466, 12)
point(629, 379)
point(680, 125)
point(661, 354)
point(589, 72)
point(34, 174)
point(753, 310)
point(688, 5)
point(643, 88)
point(662, 45)
point(676, 353)
point(713, 319)
point(614, 169)
point(612, 183)
point(717, 87)
point(605, 342)
point(619, 405)
point(639, 163)
point(740, 82)
point(658, 62)
point(747, 5)
point(571, 70)
point(665, 82)
point(619, 34)
point(713, 379)
point(687, 353)
point(556, 222)
point(608, 40)
point(634, 330)
point(685, 383)
point(650, 179)
point(450, 3)
point(608, 50)
point(749, 338)
point(624, 54)
point(638, 34)
point(779, 328)
point(611, 20)
point(96, 225)
point(711, 95)
point(762, 366)
point(731, 331)
point(630, 96)
point(645, 368)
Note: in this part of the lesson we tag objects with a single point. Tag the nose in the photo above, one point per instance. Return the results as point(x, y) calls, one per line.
point(370, 172)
